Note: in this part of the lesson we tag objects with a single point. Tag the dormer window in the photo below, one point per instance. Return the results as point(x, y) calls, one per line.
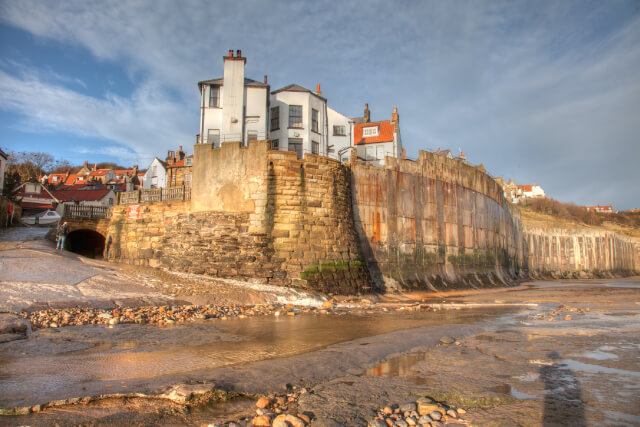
point(370, 131)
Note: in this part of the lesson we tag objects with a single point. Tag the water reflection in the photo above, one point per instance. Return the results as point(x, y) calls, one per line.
point(563, 396)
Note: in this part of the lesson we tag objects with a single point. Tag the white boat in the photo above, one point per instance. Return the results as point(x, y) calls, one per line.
point(44, 218)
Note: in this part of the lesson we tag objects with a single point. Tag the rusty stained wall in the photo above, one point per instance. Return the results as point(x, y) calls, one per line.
point(435, 223)
point(579, 252)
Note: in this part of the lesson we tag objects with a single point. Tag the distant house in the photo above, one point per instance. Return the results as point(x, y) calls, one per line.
point(178, 168)
point(607, 209)
point(81, 196)
point(156, 175)
point(376, 140)
point(444, 153)
point(3, 166)
point(102, 175)
point(531, 191)
point(34, 197)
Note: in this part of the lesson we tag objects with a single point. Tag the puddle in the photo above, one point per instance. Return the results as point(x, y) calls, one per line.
point(508, 389)
point(133, 353)
point(399, 366)
point(597, 355)
point(596, 369)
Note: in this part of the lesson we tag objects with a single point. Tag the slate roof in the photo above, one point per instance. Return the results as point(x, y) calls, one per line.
point(296, 88)
point(220, 81)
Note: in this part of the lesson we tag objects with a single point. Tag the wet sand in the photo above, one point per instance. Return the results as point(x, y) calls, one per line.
point(512, 365)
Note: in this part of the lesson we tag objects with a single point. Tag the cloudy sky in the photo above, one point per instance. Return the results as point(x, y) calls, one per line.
point(541, 92)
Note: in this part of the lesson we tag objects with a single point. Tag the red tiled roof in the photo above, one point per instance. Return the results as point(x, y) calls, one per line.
point(80, 195)
point(75, 179)
point(526, 188)
point(60, 176)
point(385, 132)
point(100, 172)
point(178, 164)
point(34, 205)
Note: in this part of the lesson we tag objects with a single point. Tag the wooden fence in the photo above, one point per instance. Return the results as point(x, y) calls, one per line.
point(87, 212)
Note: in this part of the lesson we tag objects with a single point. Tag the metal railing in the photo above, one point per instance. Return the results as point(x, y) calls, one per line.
point(87, 212)
point(231, 137)
point(154, 195)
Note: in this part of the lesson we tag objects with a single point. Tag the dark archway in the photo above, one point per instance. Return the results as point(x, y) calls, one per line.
point(88, 243)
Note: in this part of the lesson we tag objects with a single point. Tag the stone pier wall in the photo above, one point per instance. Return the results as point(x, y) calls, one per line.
point(435, 223)
point(581, 253)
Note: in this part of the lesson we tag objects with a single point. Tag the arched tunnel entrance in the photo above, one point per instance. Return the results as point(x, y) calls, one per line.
point(88, 243)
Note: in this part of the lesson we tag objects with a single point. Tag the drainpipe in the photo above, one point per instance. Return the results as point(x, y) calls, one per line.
point(202, 114)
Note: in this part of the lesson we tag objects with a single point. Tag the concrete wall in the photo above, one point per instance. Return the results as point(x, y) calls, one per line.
point(435, 223)
point(557, 252)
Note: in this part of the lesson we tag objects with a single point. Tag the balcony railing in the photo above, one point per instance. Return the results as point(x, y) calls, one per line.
point(87, 212)
point(154, 195)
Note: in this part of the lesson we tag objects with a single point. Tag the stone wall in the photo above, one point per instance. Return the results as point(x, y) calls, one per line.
point(557, 252)
point(6, 218)
point(435, 223)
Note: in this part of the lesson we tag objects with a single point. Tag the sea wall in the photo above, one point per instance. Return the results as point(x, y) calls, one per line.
point(435, 223)
point(302, 208)
point(579, 253)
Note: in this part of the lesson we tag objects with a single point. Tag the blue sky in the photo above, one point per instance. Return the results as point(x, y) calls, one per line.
point(541, 92)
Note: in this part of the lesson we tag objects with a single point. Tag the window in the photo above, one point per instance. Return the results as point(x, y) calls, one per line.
point(275, 118)
point(213, 137)
point(213, 96)
point(295, 116)
point(275, 144)
point(370, 131)
point(252, 135)
point(315, 147)
point(339, 130)
point(314, 120)
point(174, 180)
point(295, 144)
point(189, 161)
point(187, 179)
point(154, 171)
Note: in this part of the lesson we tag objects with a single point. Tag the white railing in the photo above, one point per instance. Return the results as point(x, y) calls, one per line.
point(87, 212)
point(154, 195)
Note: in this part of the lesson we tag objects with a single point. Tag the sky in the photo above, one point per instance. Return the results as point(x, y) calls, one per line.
point(544, 92)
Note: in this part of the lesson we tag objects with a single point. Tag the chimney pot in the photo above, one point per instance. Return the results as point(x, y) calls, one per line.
point(180, 148)
point(265, 79)
point(239, 53)
point(318, 89)
point(230, 53)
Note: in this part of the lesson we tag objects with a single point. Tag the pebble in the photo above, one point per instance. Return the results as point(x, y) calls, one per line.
point(447, 340)
point(430, 413)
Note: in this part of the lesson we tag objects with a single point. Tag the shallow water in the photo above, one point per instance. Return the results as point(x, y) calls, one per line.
point(70, 358)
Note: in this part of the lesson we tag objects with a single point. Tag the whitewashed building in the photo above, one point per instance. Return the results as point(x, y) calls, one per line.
point(234, 108)
point(156, 175)
point(376, 140)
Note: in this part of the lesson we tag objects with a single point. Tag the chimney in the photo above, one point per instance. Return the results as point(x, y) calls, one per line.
point(318, 91)
point(238, 53)
point(367, 113)
point(230, 53)
point(395, 119)
point(95, 167)
point(265, 79)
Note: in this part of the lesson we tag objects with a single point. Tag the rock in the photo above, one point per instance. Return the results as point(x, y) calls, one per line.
point(425, 419)
point(425, 408)
point(411, 421)
point(452, 413)
point(387, 410)
point(377, 423)
point(105, 315)
point(402, 423)
point(294, 421)
point(567, 317)
point(436, 415)
point(53, 325)
point(262, 403)
point(461, 411)
point(408, 407)
point(114, 321)
point(304, 417)
point(12, 324)
point(280, 421)
point(447, 340)
point(327, 304)
point(184, 392)
point(36, 408)
point(11, 337)
point(261, 421)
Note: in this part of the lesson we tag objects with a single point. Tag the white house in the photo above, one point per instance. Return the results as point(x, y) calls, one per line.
point(156, 175)
point(376, 140)
point(532, 191)
point(234, 108)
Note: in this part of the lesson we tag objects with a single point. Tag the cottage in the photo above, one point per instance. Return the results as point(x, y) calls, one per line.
point(156, 175)
point(376, 140)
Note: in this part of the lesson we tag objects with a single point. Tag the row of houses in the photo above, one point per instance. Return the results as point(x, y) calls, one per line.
point(294, 118)
point(519, 193)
